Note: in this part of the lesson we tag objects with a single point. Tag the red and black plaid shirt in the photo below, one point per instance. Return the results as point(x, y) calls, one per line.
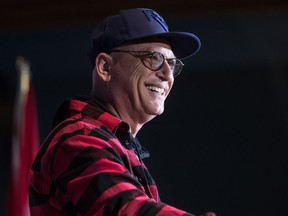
point(91, 165)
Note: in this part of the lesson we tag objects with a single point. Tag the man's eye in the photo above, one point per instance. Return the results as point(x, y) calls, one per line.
point(172, 62)
point(156, 57)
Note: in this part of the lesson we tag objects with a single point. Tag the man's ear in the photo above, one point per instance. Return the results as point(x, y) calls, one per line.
point(102, 66)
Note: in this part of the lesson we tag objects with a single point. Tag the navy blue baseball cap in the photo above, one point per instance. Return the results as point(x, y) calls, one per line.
point(135, 25)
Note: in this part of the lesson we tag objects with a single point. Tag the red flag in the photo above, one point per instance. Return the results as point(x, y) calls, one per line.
point(25, 142)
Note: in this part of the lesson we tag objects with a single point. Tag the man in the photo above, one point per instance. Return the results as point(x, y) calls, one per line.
point(91, 162)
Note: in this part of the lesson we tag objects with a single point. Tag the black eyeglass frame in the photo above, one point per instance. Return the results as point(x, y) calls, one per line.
point(143, 55)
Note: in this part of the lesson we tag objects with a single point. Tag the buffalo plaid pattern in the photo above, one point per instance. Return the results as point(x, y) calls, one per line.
point(91, 165)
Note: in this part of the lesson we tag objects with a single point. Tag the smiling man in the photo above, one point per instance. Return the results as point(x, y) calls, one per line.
point(92, 163)
point(134, 80)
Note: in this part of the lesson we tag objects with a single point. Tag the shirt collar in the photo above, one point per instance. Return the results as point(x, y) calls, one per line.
point(97, 110)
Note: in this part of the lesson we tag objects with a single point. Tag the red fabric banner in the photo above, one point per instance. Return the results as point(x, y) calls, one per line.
point(25, 143)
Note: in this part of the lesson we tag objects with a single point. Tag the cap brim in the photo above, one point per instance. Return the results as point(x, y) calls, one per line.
point(183, 44)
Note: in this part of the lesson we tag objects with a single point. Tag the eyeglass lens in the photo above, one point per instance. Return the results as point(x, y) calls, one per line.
point(157, 60)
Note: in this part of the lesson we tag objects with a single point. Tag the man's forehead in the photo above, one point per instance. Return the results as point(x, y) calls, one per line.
point(162, 47)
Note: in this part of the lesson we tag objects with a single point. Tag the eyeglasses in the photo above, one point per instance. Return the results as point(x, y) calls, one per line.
point(155, 60)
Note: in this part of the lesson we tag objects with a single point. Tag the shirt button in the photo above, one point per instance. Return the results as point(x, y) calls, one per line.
point(126, 142)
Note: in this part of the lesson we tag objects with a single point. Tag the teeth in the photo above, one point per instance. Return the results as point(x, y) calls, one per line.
point(154, 88)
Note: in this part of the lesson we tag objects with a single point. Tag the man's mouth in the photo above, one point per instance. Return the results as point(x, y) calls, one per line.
point(156, 89)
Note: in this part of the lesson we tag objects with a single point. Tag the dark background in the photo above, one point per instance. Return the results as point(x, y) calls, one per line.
point(221, 144)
